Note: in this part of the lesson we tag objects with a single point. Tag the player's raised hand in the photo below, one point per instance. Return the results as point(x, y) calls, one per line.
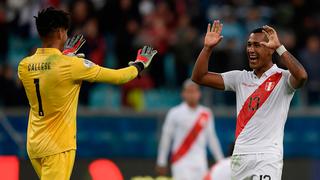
point(213, 35)
point(272, 36)
point(73, 44)
point(144, 56)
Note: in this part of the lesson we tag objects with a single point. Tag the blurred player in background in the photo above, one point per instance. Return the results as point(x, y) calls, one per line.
point(263, 100)
point(52, 79)
point(191, 127)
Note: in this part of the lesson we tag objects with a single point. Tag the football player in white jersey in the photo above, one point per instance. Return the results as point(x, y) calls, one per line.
point(190, 128)
point(263, 98)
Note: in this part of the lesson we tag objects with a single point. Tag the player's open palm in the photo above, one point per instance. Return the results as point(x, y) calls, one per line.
point(213, 35)
point(273, 40)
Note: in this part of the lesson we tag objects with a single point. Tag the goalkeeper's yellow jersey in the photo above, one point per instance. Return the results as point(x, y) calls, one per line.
point(52, 83)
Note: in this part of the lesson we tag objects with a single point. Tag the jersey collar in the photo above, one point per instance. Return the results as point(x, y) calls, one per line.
point(270, 71)
point(48, 51)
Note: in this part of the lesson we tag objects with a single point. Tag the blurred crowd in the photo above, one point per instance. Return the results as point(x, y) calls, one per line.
point(115, 29)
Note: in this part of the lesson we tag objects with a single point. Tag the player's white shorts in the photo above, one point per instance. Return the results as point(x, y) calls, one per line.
point(261, 166)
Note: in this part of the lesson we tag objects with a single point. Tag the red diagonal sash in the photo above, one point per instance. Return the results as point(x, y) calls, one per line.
point(191, 137)
point(255, 101)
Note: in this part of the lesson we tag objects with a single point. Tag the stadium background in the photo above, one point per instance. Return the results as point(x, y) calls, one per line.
point(123, 123)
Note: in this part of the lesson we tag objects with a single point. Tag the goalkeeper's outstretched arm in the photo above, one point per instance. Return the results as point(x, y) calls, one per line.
point(83, 69)
point(116, 76)
point(88, 71)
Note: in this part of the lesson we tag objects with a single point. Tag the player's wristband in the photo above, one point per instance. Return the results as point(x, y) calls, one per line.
point(280, 50)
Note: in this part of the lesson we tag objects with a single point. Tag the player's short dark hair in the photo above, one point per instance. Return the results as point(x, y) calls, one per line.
point(257, 30)
point(50, 19)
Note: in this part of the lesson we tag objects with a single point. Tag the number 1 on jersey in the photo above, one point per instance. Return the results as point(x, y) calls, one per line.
point(36, 83)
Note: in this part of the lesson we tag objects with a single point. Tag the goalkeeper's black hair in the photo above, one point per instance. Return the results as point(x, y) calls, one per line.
point(50, 19)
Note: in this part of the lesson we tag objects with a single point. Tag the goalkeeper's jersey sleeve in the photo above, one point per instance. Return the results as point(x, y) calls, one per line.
point(52, 83)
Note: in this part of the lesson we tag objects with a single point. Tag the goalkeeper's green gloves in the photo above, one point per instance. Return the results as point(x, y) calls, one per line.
point(72, 46)
point(144, 58)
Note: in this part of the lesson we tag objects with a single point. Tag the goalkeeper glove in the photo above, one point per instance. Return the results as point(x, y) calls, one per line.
point(72, 46)
point(144, 58)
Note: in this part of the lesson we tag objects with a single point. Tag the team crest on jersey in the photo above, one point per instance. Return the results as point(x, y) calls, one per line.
point(269, 86)
point(87, 63)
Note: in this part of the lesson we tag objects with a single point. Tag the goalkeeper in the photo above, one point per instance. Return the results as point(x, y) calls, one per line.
point(52, 79)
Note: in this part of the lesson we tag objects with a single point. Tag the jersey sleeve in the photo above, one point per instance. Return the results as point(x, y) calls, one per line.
point(286, 75)
point(165, 141)
point(83, 69)
point(230, 80)
point(212, 139)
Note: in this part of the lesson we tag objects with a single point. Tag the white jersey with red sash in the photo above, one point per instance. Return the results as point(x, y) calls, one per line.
point(190, 131)
point(191, 137)
point(262, 109)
